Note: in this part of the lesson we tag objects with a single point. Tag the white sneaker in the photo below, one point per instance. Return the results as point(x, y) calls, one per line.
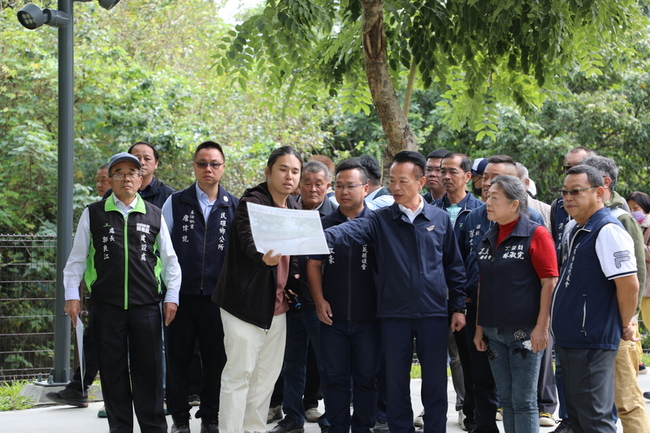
point(419, 420)
point(546, 420)
point(312, 415)
point(461, 420)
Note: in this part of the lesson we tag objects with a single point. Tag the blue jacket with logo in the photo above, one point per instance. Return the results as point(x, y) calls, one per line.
point(417, 262)
point(201, 245)
point(584, 312)
point(348, 275)
point(467, 204)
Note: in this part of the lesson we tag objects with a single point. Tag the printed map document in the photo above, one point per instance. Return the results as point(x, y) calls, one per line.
point(79, 330)
point(287, 231)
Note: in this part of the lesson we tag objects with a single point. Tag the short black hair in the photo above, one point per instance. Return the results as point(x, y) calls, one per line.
point(641, 198)
point(210, 145)
point(372, 168)
point(465, 162)
point(500, 159)
point(594, 176)
point(438, 153)
point(155, 152)
point(413, 157)
point(353, 164)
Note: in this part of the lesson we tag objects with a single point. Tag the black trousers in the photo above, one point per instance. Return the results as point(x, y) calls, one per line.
point(197, 318)
point(129, 350)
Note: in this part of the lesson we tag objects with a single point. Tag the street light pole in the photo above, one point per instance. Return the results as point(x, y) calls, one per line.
point(61, 371)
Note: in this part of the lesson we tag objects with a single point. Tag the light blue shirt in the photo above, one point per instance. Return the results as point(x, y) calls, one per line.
point(204, 202)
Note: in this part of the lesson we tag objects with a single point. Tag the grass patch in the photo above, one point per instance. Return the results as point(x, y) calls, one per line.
point(416, 371)
point(9, 398)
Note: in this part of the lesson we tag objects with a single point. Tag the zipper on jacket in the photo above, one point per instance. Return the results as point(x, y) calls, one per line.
point(126, 262)
point(205, 237)
point(584, 314)
point(349, 284)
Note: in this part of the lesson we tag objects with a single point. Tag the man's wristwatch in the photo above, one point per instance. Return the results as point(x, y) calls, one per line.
point(462, 311)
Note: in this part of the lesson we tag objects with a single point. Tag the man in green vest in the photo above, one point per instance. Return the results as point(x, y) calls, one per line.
point(122, 248)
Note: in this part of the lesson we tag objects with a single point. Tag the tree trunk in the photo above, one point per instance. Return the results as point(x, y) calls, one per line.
point(393, 120)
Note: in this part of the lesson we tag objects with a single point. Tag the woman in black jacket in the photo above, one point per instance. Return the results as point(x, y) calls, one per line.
point(251, 294)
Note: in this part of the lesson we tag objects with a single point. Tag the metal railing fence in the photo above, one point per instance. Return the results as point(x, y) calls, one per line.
point(27, 292)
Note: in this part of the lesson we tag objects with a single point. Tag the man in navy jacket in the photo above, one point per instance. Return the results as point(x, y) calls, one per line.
point(199, 219)
point(343, 288)
point(418, 263)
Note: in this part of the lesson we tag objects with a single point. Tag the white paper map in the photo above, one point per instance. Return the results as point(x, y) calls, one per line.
point(287, 231)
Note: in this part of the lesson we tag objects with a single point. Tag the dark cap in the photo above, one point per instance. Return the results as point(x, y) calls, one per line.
point(123, 156)
point(479, 166)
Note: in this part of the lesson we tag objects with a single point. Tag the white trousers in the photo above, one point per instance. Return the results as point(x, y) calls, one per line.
point(254, 360)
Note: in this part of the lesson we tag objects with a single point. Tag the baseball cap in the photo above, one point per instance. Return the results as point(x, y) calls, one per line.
point(478, 167)
point(123, 156)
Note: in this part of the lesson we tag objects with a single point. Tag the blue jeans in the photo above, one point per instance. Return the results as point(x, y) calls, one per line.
point(350, 350)
point(303, 328)
point(515, 369)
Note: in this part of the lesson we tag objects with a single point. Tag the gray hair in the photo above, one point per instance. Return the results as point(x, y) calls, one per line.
point(513, 188)
point(316, 167)
point(606, 166)
point(522, 171)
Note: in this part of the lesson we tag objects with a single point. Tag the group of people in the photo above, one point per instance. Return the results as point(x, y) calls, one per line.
point(500, 279)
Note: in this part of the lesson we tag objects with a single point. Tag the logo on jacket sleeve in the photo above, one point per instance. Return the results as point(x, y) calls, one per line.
point(620, 257)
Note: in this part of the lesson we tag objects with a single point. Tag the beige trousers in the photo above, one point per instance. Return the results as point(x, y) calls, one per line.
point(254, 362)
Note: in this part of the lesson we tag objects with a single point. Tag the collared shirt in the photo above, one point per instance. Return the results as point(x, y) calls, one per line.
point(204, 202)
point(76, 264)
point(411, 214)
point(373, 202)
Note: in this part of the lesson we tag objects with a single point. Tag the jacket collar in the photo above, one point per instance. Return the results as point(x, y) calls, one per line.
point(109, 204)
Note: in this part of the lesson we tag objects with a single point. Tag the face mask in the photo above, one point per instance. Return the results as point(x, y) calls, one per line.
point(638, 215)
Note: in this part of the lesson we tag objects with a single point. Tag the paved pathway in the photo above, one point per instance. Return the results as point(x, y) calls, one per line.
point(65, 419)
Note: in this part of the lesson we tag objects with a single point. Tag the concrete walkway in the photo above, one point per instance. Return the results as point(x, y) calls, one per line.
point(66, 419)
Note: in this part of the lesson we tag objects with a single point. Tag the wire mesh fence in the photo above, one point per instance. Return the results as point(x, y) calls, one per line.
point(27, 292)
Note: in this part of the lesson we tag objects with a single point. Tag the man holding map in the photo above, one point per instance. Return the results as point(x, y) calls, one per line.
point(418, 262)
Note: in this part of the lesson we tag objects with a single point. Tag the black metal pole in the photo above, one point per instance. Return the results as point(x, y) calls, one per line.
point(61, 371)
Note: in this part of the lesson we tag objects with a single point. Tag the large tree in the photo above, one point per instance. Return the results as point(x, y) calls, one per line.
point(475, 52)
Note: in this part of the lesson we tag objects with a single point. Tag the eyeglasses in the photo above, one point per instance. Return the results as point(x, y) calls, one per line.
point(347, 187)
point(122, 176)
point(204, 165)
point(574, 192)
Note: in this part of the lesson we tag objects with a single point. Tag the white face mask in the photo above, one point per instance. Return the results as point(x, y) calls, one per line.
point(638, 215)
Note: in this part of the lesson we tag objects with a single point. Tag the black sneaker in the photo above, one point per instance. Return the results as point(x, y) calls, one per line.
point(563, 427)
point(194, 400)
point(181, 423)
point(287, 425)
point(209, 424)
point(69, 396)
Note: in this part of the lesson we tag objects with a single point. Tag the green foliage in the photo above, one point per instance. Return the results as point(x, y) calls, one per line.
point(142, 72)
point(10, 398)
point(477, 53)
